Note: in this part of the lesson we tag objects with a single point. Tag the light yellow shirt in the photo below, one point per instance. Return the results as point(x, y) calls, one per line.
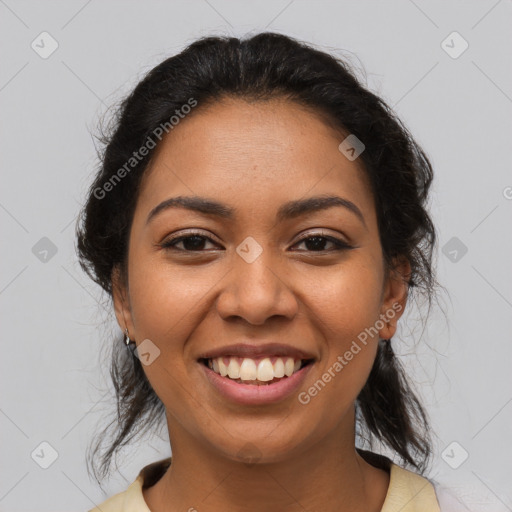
point(407, 492)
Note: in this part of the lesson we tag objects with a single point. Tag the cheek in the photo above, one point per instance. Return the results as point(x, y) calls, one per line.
point(345, 302)
point(165, 308)
point(345, 311)
point(166, 299)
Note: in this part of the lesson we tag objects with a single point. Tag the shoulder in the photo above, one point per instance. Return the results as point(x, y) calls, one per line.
point(409, 492)
point(127, 501)
point(132, 499)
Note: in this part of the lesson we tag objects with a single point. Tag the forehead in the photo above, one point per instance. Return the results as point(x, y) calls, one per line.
point(237, 150)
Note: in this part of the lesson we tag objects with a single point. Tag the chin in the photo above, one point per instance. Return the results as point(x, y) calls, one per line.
point(258, 449)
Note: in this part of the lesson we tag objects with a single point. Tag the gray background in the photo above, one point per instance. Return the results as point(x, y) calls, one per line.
point(54, 381)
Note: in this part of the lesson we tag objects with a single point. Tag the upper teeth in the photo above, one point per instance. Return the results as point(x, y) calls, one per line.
point(249, 369)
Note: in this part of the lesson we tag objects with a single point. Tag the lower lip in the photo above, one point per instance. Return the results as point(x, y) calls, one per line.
point(250, 394)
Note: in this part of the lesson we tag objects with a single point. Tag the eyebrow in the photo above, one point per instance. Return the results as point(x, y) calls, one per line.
point(289, 210)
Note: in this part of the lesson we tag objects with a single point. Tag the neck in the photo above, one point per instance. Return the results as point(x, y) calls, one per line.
point(328, 476)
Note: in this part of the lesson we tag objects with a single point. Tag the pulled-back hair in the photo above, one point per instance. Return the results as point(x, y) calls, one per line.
point(263, 67)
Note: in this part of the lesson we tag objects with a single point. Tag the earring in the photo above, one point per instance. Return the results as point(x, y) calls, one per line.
point(127, 340)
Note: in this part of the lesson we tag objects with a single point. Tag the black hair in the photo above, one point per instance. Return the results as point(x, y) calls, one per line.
point(261, 67)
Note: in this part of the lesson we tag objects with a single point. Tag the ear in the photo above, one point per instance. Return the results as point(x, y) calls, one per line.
point(121, 302)
point(394, 296)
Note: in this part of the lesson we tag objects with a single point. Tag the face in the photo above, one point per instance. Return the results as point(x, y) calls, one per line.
point(256, 271)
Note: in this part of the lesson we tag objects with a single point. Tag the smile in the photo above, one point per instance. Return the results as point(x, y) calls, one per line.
point(255, 371)
point(251, 381)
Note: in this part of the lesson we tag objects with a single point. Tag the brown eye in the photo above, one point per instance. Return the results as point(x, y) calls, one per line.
point(191, 242)
point(316, 243)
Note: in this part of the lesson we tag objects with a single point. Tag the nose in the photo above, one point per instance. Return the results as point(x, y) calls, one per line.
point(256, 291)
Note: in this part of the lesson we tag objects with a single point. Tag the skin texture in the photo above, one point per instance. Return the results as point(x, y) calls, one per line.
point(255, 156)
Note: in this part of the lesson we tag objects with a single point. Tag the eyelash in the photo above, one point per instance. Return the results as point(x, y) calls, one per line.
point(171, 243)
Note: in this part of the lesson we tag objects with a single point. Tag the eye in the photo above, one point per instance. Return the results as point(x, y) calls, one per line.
point(193, 241)
point(317, 242)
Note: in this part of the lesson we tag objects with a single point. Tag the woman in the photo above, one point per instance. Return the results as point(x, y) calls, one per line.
point(259, 220)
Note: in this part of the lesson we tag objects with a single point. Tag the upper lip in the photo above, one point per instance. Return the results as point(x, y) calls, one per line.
point(248, 350)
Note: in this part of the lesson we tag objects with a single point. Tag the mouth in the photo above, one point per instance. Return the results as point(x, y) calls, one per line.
point(255, 382)
point(262, 371)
